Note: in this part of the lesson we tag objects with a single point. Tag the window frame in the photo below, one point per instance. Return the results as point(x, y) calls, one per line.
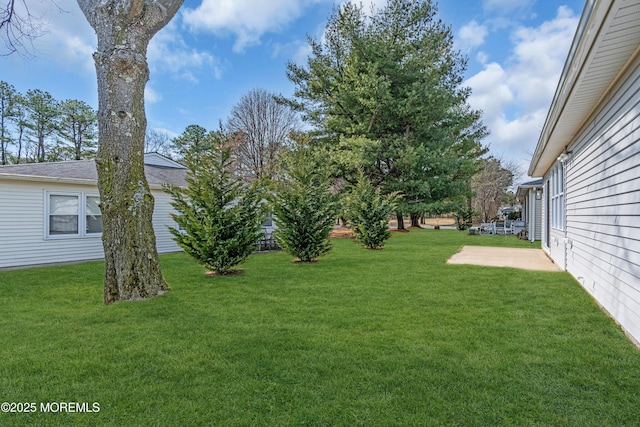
point(81, 214)
point(557, 196)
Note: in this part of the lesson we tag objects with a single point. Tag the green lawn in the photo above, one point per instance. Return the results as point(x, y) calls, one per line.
point(373, 338)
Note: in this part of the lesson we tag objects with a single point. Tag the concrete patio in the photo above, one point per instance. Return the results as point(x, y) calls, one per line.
point(526, 259)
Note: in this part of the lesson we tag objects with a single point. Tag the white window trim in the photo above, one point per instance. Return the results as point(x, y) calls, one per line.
point(82, 215)
point(557, 197)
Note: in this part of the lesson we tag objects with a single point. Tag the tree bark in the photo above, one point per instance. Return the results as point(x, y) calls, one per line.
point(415, 220)
point(400, 219)
point(124, 29)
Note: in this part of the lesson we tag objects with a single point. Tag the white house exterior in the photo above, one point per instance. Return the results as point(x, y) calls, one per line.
point(529, 195)
point(49, 211)
point(589, 157)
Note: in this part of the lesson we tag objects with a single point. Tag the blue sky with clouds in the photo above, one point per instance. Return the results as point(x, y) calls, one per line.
point(214, 51)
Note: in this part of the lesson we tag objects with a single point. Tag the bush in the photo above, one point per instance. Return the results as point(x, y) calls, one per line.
point(303, 206)
point(464, 218)
point(220, 218)
point(368, 213)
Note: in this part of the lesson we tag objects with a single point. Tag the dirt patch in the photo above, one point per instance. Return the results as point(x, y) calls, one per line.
point(341, 232)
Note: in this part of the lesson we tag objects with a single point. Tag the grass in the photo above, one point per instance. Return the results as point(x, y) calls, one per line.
point(370, 338)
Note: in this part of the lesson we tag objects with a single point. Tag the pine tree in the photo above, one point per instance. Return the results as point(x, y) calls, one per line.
point(303, 205)
point(386, 89)
point(219, 217)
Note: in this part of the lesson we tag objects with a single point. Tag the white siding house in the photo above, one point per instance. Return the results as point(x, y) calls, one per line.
point(49, 211)
point(530, 197)
point(589, 157)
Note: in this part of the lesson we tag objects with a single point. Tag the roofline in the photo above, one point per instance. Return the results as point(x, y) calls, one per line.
point(38, 178)
point(551, 118)
point(77, 181)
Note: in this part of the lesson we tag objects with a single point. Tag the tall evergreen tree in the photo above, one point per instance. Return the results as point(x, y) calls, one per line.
point(194, 139)
point(78, 127)
point(8, 96)
point(386, 89)
point(43, 115)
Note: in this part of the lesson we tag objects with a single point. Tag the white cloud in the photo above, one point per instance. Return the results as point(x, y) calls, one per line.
point(247, 20)
point(150, 95)
point(482, 57)
point(171, 134)
point(516, 95)
point(471, 35)
point(168, 52)
point(491, 93)
point(66, 37)
point(368, 5)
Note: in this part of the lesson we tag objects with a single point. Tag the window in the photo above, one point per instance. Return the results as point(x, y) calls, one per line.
point(92, 215)
point(72, 215)
point(63, 214)
point(268, 220)
point(557, 196)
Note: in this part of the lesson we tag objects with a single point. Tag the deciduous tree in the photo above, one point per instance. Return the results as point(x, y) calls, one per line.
point(261, 127)
point(18, 28)
point(124, 29)
point(157, 141)
point(490, 185)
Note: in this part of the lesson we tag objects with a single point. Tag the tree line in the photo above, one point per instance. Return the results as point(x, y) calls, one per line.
point(36, 127)
point(381, 93)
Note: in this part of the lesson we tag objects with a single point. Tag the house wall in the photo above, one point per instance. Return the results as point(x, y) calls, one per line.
point(161, 221)
point(552, 238)
point(22, 226)
point(603, 204)
point(533, 215)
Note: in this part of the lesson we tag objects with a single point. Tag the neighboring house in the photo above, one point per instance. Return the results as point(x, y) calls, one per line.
point(589, 157)
point(49, 212)
point(529, 195)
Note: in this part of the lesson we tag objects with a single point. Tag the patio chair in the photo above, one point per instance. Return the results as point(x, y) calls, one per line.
point(500, 227)
point(509, 226)
point(487, 228)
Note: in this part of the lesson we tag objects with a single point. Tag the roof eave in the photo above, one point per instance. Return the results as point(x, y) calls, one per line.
point(76, 181)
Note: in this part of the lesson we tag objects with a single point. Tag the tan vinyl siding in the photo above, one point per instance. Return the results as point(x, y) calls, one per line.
point(603, 205)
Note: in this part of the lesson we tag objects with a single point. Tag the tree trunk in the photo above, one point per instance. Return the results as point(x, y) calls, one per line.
point(124, 29)
point(415, 220)
point(400, 219)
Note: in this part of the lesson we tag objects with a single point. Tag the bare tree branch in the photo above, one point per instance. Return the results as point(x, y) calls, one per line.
point(19, 27)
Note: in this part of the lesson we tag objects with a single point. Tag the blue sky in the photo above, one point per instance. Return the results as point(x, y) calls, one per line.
point(214, 51)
